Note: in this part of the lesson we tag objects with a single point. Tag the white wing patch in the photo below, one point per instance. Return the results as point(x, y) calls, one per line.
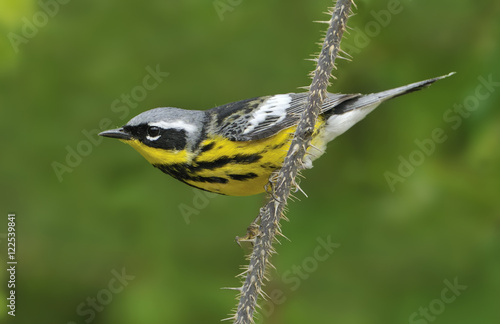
point(176, 124)
point(273, 108)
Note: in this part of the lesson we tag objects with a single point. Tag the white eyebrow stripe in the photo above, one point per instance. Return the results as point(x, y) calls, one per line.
point(177, 124)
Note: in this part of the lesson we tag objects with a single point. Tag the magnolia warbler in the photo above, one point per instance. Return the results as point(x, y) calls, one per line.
point(233, 149)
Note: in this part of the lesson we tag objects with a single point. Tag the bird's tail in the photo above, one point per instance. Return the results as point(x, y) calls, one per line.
point(349, 112)
point(374, 99)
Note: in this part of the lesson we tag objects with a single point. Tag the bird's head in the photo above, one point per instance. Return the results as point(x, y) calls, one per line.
point(162, 135)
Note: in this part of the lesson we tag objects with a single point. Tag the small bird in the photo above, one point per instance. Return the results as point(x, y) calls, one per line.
point(233, 149)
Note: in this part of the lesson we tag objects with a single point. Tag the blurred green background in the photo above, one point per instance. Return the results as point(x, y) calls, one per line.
point(64, 64)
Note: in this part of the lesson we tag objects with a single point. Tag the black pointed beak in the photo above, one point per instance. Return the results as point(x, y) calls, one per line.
point(118, 133)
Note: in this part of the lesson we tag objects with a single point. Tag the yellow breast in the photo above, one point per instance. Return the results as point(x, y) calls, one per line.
point(235, 168)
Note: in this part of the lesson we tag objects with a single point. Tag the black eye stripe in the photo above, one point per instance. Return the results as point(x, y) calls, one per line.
point(171, 138)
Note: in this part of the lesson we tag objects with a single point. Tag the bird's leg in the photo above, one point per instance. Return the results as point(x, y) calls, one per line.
point(252, 232)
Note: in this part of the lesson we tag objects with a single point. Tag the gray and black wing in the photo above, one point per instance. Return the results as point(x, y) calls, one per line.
point(262, 117)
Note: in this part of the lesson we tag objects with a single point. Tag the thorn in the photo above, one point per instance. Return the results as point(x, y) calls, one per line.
point(321, 22)
point(315, 60)
point(263, 293)
point(242, 274)
point(300, 175)
point(298, 187)
point(345, 53)
point(316, 148)
point(233, 288)
point(344, 58)
point(286, 238)
point(283, 217)
point(277, 241)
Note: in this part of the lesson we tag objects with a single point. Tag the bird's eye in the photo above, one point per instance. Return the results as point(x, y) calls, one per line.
point(153, 131)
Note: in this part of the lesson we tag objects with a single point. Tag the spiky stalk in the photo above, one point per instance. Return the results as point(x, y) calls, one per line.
point(282, 183)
